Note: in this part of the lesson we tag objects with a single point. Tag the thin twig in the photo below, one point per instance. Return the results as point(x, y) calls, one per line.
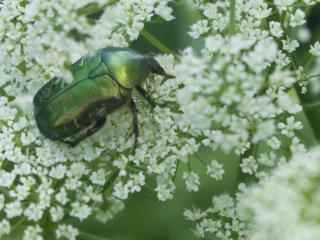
point(154, 41)
point(232, 13)
point(89, 236)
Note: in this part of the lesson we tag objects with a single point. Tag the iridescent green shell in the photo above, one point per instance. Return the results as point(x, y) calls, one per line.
point(102, 83)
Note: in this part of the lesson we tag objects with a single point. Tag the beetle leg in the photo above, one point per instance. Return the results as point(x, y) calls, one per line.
point(146, 96)
point(135, 125)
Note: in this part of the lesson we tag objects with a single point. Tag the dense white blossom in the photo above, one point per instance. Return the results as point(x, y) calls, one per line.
point(284, 206)
point(234, 95)
point(48, 181)
point(245, 87)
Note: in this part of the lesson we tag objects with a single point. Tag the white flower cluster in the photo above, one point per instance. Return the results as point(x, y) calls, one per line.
point(237, 92)
point(44, 182)
point(284, 206)
point(242, 83)
point(226, 226)
point(233, 97)
point(41, 38)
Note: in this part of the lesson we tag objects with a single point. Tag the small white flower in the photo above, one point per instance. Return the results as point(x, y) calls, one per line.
point(199, 28)
point(210, 226)
point(5, 227)
point(290, 45)
point(199, 232)
point(99, 177)
point(297, 147)
point(298, 18)
point(264, 130)
point(282, 59)
point(286, 103)
point(194, 214)
point(283, 4)
point(62, 196)
point(275, 29)
point(290, 126)
point(249, 165)
point(67, 231)
point(56, 213)
point(267, 160)
point(6, 178)
point(274, 143)
point(282, 78)
point(13, 209)
point(34, 212)
point(164, 192)
point(33, 232)
point(77, 170)
point(121, 190)
point(215, 170)
point(222, 204)
point(192, 181)
point(80, 211)
point(315, 49)
point(58, 172)
point(121, 164)
point(164, 11)
point(136, 182)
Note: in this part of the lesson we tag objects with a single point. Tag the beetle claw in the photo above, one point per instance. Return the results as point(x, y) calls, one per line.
point(135, 125)
point(135, 144)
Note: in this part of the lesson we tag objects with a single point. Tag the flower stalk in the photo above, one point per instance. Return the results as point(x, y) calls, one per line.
point(91, 236)
point(232, 17)
point(311, 108)
point(154, 41)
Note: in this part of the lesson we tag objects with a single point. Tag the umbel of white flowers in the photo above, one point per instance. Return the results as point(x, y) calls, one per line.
point(286, 205)
point(221, 103)
point(242, 87)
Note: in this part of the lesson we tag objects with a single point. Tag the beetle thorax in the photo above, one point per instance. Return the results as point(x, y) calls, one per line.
point(128, 69)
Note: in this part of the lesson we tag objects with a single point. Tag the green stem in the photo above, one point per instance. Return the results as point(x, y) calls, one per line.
point(311, 106)
point(313, 115)
point(313, 76)
point(156, 42)
point(200, 159)
point(90, 236)
point(311, 109)
point(17, 224)
point(307, 99)
point(93, 8)
point(112, 178)
point(232, 13)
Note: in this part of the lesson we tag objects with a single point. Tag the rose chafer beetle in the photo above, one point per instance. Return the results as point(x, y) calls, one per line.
point(102, 83)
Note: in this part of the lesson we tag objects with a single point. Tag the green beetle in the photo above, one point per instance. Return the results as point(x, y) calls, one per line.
point(102, 83)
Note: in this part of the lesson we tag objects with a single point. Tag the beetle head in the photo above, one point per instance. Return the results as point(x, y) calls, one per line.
point(155, 67)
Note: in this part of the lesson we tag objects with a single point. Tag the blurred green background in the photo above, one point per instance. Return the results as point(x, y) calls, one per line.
point(145, 217)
